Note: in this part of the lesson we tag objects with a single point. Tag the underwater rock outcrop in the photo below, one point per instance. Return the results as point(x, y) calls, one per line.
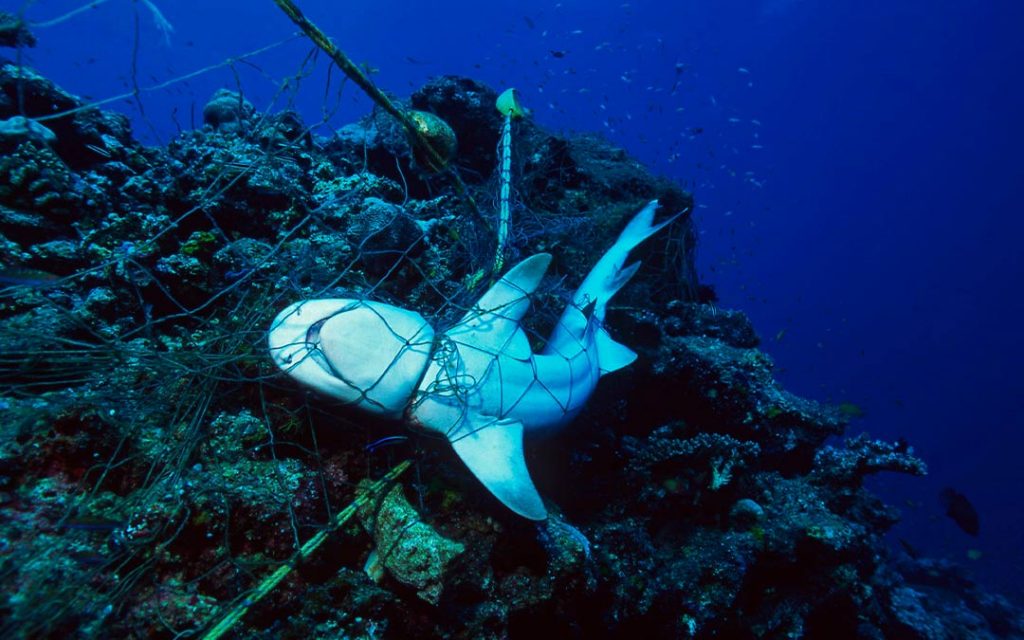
point(407, 547)
point(156, 468)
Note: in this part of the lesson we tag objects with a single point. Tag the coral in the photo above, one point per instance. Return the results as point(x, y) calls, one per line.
point(227, 111)
point(14, 32)
point(156, 471)
point(35, 178)
point(861, 456)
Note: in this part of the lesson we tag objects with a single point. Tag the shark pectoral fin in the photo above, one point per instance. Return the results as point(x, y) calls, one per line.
point(493, 451)
point(611, 355)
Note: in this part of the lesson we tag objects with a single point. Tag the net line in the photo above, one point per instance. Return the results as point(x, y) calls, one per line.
point(160, 375)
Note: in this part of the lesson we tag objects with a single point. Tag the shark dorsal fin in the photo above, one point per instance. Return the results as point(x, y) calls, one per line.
point(493, 322)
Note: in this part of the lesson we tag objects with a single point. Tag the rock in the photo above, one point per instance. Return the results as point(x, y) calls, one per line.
point(411, 550)
point(19, 129)
point(746, 513)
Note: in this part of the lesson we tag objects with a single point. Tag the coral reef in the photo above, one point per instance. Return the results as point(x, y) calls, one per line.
point(156, 468)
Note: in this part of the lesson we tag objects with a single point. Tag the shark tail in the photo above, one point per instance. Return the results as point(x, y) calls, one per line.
point(612, 355)
point(641, 227)
point(605, 279)
point(613, 274)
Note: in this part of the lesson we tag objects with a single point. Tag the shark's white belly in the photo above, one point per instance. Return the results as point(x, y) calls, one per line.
point(461, 393)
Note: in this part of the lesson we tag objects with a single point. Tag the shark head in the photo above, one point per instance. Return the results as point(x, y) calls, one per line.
point(479, 383)
point(367, 354)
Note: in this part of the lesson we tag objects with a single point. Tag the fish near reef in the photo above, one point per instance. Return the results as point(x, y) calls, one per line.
point(960, 510)
point(479, 383)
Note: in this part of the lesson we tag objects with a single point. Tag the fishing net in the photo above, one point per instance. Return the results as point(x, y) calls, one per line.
point(157, 465)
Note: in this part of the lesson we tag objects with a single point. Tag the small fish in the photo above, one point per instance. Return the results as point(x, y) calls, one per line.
point(557, 53)
point(87, 559)
point(848, 409)
point(98, 150)
point(384, 442)
point(26, 277)
point(236, 274)
point(903, 446)
point(90, 523)
point(910, 549)
point(960, 510)
point(529, 22)
point(743, 70)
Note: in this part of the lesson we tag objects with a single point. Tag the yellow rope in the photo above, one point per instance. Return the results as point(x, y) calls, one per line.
point(304, 552)
point(356, 75)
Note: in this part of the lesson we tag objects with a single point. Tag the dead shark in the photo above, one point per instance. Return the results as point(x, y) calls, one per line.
point(479, 383)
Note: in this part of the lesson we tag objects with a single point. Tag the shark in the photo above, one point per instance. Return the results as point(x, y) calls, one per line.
point(478, 383)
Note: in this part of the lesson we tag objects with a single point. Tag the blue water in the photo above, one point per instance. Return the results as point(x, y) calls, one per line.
point(857, 167)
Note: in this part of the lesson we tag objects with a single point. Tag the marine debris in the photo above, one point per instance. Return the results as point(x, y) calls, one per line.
point(478, 384)
point(158, 467)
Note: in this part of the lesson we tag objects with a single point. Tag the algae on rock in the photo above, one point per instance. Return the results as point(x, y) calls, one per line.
point(410, 549)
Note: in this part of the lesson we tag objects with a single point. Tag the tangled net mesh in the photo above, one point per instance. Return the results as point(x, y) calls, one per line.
point(157, 464)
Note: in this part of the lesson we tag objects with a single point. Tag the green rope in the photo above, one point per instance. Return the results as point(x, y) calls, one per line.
point(304, 552)
point(506, 189)
point(356, 75)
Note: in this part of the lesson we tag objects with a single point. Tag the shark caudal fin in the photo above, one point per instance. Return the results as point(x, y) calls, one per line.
point(611, 272)
point(642, 227)
point(605, 279)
